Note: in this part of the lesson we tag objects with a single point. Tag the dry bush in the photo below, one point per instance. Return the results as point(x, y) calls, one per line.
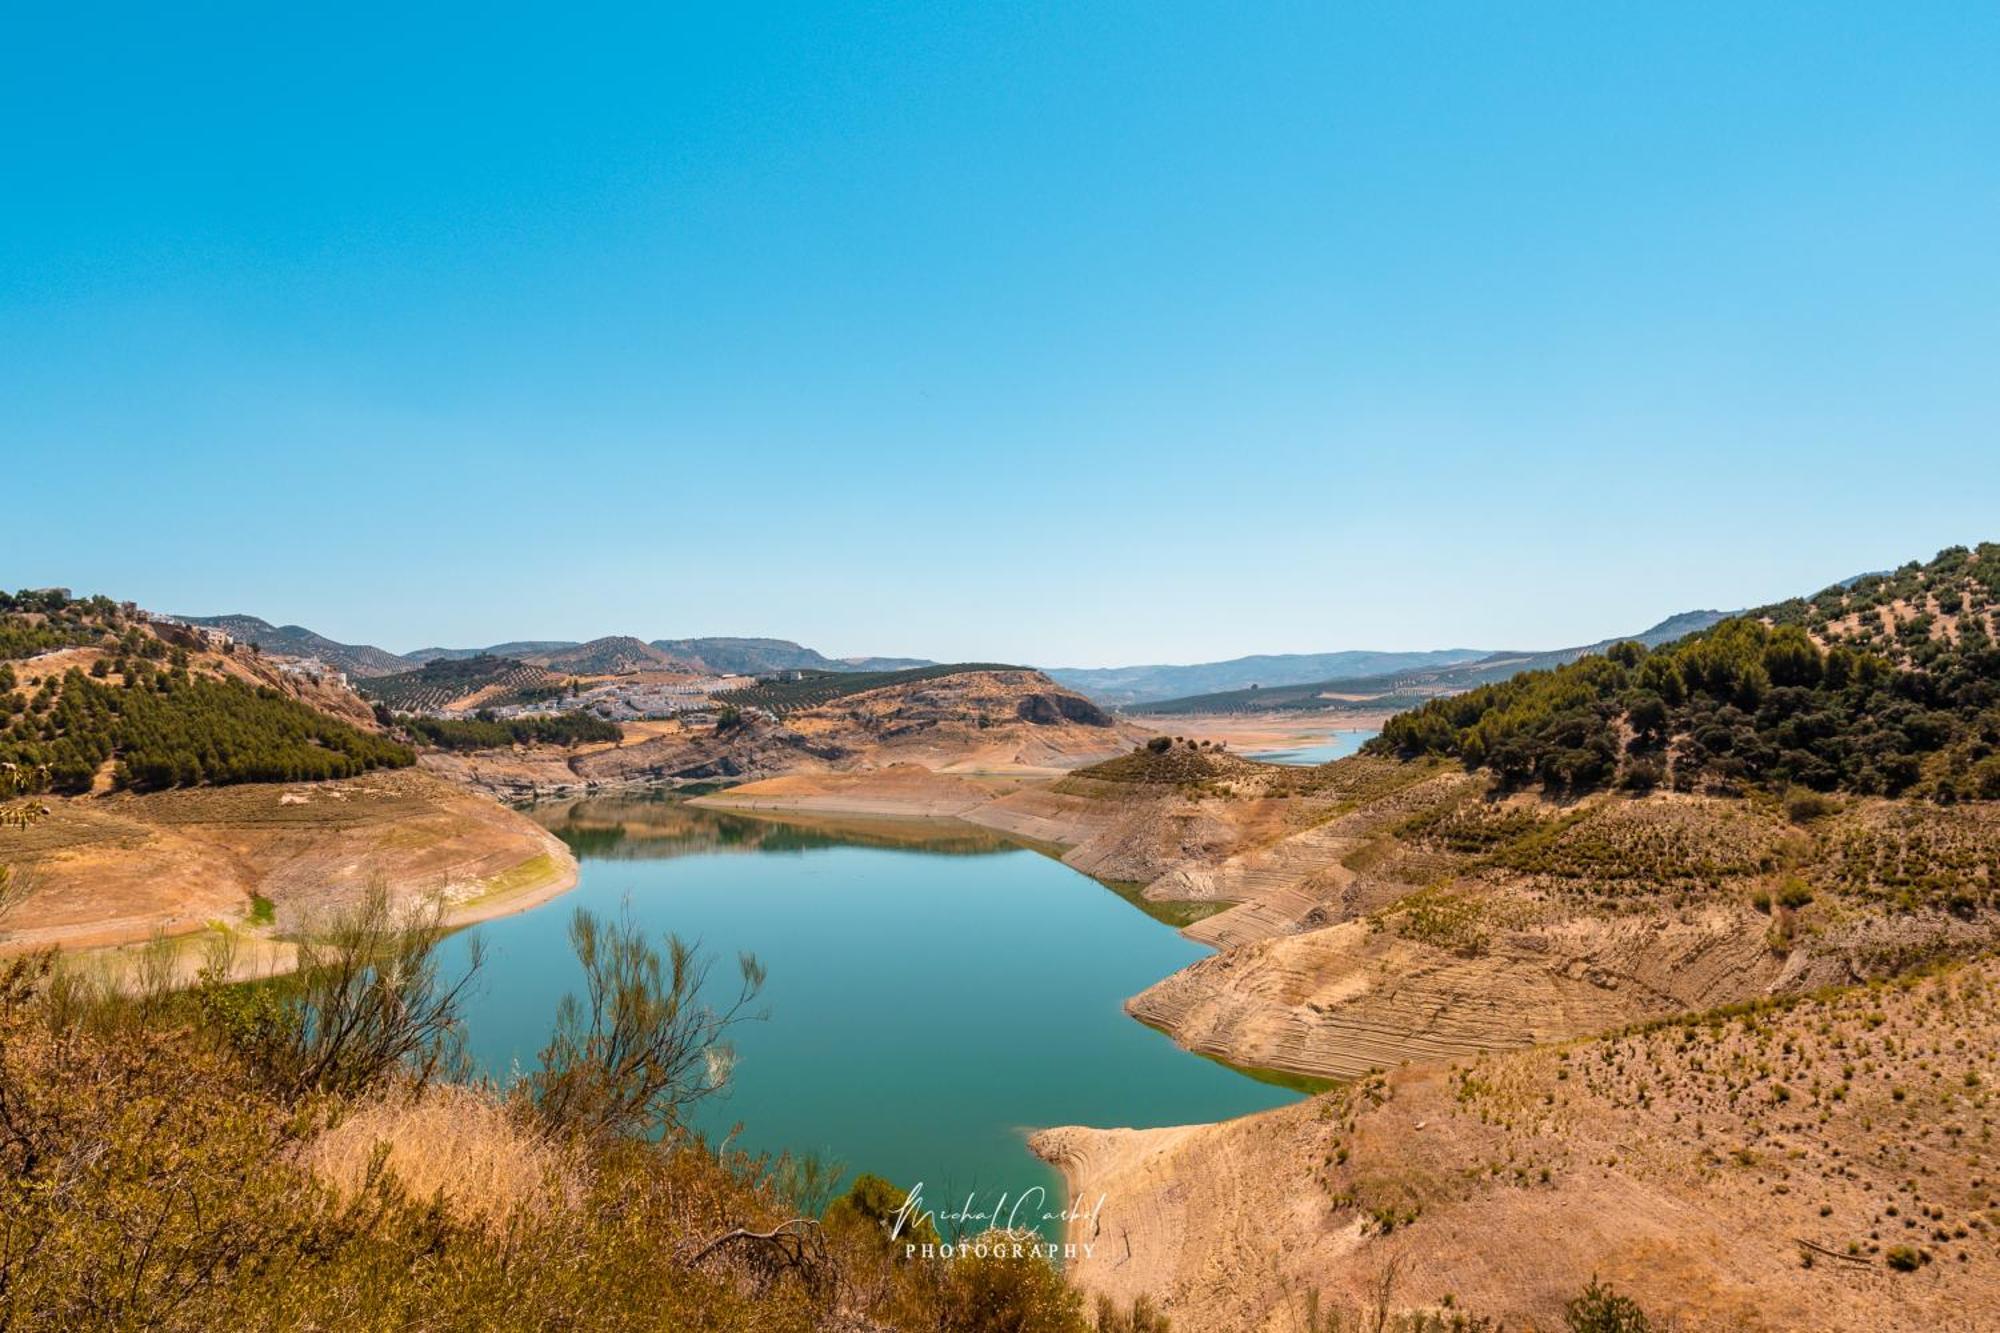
point(367, 1001)
point(643, 1043)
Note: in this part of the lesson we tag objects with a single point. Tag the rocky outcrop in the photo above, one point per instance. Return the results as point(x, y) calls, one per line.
point(1049, 709)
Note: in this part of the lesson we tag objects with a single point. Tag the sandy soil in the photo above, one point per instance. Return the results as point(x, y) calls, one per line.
point(1738, 1175)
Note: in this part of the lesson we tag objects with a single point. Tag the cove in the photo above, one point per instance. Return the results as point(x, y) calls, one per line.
point(935, 992)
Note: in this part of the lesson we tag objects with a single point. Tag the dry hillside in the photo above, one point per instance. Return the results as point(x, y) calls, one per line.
point(1007, 721)
point(135, 799)
point(262, 858)
point(1825, 1163)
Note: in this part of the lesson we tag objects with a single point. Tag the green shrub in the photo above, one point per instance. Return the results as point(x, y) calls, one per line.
point(643, 1043)
point(872, 1208)
point(1599, 1309)
point(366, 1002)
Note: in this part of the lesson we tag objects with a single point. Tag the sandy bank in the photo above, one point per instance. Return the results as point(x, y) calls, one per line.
point(270, 858)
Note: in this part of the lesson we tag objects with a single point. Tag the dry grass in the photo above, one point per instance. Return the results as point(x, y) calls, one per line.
point(455, 1144)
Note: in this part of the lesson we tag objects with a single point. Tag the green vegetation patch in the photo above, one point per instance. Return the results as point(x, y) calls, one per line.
point(436, 684)
point(1756, 701)
point(489, 733)
point(1443, 919)
point(1175, 912)
point(173, 729)
point(536, 870)
point(1946, 857)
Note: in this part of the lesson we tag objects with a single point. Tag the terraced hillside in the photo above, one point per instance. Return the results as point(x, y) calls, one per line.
point(1410, 686)
point(1811, 1151)
point(447, 682)
point(757, 657)
point(1819, 1161)
point(607, 657)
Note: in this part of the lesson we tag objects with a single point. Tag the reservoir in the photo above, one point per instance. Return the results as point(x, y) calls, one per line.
point(935, 992)
point(1335, 745)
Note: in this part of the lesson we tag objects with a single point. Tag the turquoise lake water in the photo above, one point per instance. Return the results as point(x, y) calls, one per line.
point(934, 992)
point(1337, 745)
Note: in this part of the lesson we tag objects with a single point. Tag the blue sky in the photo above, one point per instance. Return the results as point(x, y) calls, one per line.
point(1074, 334)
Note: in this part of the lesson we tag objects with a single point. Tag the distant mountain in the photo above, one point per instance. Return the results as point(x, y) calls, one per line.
point(756, 657)
point(614, 653)
point(1146, 684)
point(881, 663)
point(297, 641)
point(517, 649)
point(1400, 689)
point(723, 656)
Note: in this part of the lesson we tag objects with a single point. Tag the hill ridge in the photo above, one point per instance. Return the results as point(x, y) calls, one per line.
point(1404, 688)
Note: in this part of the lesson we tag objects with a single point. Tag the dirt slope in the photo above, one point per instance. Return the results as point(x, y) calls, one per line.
point(115, 869)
